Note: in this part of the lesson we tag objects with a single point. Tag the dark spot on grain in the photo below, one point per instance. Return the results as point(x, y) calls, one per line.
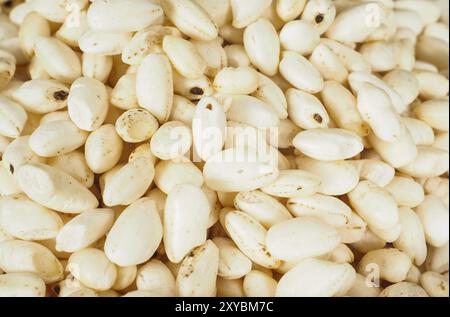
point(11, 169)
point(319, 18)
point(318, 118)
point(197, 91)
point(8, 4)
point(209, 107)
point(60, 95)
point(56, 289)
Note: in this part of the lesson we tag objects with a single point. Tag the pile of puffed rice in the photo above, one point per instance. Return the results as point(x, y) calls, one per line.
point(224, 148)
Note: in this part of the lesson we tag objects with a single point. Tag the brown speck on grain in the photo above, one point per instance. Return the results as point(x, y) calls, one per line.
point(7, 4)
point(318, 118)
point(56, 289)
point(197, 91)
point(319, 18)
point(60, 95)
